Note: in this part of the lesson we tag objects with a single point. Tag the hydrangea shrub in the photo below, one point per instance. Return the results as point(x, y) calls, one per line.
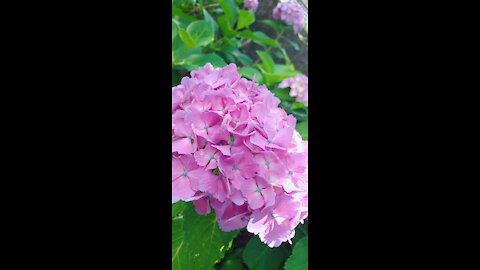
point(235, 150)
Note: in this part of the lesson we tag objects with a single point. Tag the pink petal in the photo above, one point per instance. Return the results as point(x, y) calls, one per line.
point(202, 206)
point(183, 146)
point(283, 137)
point(207, 183)
point(181, 189)
point(258, 140)
point(225, 149)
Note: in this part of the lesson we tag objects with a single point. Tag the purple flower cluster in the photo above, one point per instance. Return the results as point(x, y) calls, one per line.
point(235, 150)
point(291, 13)
point(251, 5)
point(298, 87)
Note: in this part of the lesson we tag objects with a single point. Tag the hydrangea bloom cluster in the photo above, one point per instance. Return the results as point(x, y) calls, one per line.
point(298, 87)
point(251, 5)
point(291, 13)
point(235, 150)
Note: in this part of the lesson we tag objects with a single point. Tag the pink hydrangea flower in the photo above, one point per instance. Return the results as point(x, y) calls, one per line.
point(298, 87)
point(251, 5)
point(236, 151)
point(291, 13)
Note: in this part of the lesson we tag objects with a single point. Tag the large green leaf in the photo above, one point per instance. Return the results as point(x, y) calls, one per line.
point(299, 258)
point(226, 26)
point(259, 38)
point(206, 243)
point(245, 18)
point(209, 18)
point(302, 128)
point(202, 32)
point(199, 60)
point(297, 105)
point(250, 73)
point(280, 73)
point(267, 61)
point(186, 38)
point(243, 58)
point(300, 232)
point(282, 93)
point(178, 47)
point(230, 9)
point(174, 30)
point(178, 207)
point(179, 252)
point(258, 256)
point(197, 241)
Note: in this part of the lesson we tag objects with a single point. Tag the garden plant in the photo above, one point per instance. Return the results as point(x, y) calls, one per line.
point(239, 137)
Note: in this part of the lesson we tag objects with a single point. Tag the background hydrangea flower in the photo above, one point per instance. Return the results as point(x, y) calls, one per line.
point(236, 151)
point(291, 13)
point(251, 5)
point(298, 87)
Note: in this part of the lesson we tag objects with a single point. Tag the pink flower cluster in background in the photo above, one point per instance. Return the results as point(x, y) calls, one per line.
point(298, 87)
point(235, 150)
point(251, 5)
point(291, 13)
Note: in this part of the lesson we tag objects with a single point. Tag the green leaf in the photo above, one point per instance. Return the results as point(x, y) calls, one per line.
point(199, 60)
point(301, 115)
point(174, 30)
point(181, 23)
point(186, 38)
point(178, 12)
point(178, 48)
point(201, 32)
point(300, 232)
point(291, 42)
point(281, 72)
point(259, 256)
point(230, 10)
point(302, 128)
point(243, 58)
point(245, 18)
point(299, 258)
point(226, 26)
point(249, 72)
point(232, 42)
point(297, 105)
point(206, 243)
point(267, 61)
point(179, 253)
point(232, 264)
point(209, 18)
point(178, 207)
point(282, 93)
point(259, 38)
